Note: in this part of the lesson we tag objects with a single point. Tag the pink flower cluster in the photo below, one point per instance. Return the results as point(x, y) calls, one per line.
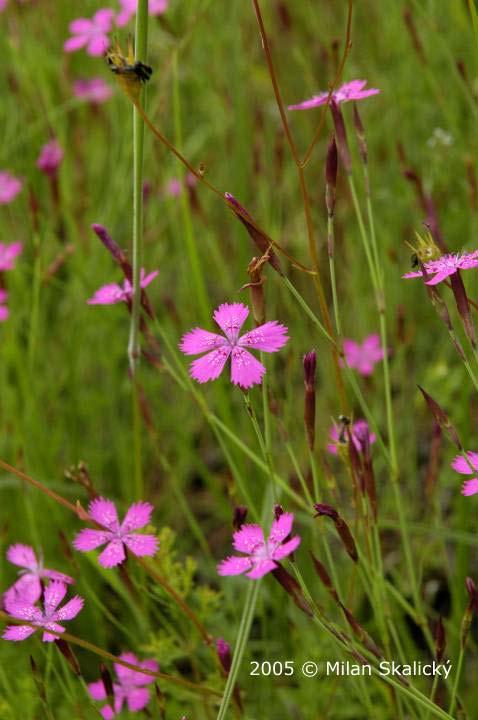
point(117, 537)
point(93, 90)
point(353, 90)
point(8, 253)
point(129, 686)
point(360, 433)
point(261, 556)
point(10, 186)
point(445, 266)
point(363, 356)
point(20, 600)
point(114, 293)
point(50, 158)
point(246, 370)
point(92, 33)
point(467, 467)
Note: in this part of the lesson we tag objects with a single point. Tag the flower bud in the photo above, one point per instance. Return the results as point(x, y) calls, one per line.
point(310, 362)
point(224, 653)
point(341, 136)
point(331, 166)
point(239, 518)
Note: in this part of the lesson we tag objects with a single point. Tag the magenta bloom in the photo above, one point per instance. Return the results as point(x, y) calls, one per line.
point(174, 187)
point(246, 370)
point(10, 186)
point(50, 158)
point(470, 487)
point(261, 556)
point(28, 588)
point(359, 431)
point(4, 311)
point(91, 33)
point(128, 10)
point(48, 618)
point(114, 293)
point(8, 253)
point(362, 357)
point(446, 265)
point(129, 687)
point(353, 90)
point(3, 5)
point(116, 536)
point(95, 90)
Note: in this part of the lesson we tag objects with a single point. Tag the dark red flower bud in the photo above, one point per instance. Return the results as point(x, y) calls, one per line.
point(328, 510)
point(331, 166)
point(310, 362)
point(239, 518)
point(224, 653)
point(341, 136)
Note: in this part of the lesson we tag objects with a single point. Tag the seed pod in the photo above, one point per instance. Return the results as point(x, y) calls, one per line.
point(331, 165)
point(310, 362)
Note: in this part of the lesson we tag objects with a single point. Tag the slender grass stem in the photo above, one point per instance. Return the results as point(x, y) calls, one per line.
point(454, 691)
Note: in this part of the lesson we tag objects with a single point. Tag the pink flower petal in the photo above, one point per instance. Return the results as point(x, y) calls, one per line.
point(314, 101)
point(470, 487)
point(107, 712)
point(104, 512)
point(103, 19)
point(80, 26)
point(53, 627)
point(270, 337)
point(27, 589)
point(246, 370)
point(97, 46)
point(210, 366)
point(23, 556)
point(75, 43)
point(53, 595)
point(90, 539)
point(108, 295)
point(18, 632)
point(70, 609)
point(281, 528)
point(440, 276)
point(137, 699)
point(55, 575)
point(231, 317)
point(248, 538)
point(287, 548)
point(261, 568)
point(234, 565)
point(97, 690)
point(460, 464)
point(113, 554)
point(138, 515)
point(141, 545)
point(124, 674)
point(412, 275)
point(4, 313)
point(198, 341)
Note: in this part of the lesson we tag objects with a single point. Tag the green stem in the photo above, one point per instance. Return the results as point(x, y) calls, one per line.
point(457, 680)
point(141, 42)
point(242, 636)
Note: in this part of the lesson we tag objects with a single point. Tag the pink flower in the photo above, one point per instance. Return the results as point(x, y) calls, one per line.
point(246, 370)
point(3, 5)
point(362, 357)
point(128, 10)
point(174, 187)
point(446, 265)
point(8, 253)
point(10, 186)
point(470, 487)
point(28, 588)
point(113, 293)
point(359, 430)
point(353, 90)
point(91, 33)
point(95, 90)
point(50, 158)
point(261, 555)
point(48, 618)
point(129, 688)
point(4, 311)
point(116, 536)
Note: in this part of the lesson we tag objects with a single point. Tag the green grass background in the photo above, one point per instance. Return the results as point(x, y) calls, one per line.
point(65, 394)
